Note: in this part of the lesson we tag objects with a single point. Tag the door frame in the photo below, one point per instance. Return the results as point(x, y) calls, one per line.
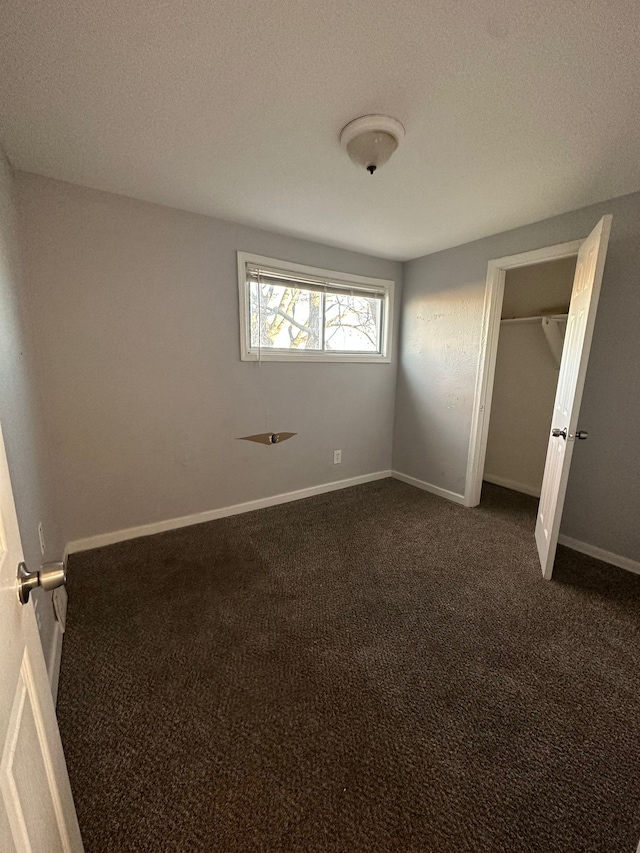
point(491, 314)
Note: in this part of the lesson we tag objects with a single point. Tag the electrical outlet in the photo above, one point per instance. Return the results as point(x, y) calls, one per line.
point(337, 457)
point(41, 537)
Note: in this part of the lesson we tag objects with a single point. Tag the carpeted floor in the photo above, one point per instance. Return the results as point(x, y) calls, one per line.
point(375, 669)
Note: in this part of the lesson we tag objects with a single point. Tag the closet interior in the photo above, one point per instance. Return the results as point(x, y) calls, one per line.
point(532, 329)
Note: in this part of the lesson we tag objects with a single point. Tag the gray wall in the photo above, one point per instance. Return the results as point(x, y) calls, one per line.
point(21, 424)
point(440, 337)
point(136, 309)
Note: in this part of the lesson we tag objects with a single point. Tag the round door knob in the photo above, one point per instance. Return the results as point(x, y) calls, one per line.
point(559, 433)
point(50, 576)
point(582, 435)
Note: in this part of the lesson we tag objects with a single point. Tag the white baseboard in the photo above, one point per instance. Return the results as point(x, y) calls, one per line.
point(103, 539)
point(600, 554)
point(428, 487)
point(512, 484)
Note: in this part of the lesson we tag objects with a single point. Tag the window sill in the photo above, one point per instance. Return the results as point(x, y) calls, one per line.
point(309, 358)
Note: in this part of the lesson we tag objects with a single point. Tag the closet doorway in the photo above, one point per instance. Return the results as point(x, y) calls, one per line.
point(532, 329)
point(537, 297)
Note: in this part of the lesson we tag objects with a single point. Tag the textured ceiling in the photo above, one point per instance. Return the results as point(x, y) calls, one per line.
point(515, 110)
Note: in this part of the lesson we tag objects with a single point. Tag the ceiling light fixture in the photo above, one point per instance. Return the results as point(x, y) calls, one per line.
point(371, 140)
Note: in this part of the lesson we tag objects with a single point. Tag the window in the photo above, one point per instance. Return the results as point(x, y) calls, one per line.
point(290, 312)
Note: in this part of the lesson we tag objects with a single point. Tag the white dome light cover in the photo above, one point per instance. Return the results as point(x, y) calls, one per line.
point(371, 140)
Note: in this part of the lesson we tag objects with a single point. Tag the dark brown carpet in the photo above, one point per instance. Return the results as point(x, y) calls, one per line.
point(369, 670)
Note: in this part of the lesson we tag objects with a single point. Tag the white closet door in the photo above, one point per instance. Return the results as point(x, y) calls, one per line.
point(573, 369)
point(37, 814)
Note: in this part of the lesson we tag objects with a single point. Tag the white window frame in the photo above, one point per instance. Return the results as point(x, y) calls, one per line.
point(385, 286)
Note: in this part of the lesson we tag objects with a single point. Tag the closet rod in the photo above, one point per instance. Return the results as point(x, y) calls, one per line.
point(536, 319)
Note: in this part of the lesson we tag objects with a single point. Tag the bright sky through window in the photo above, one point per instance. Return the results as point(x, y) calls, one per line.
point(295, 318)
point(291, 312)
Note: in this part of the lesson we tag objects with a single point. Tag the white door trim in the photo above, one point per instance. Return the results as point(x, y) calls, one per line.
point(493, 296)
